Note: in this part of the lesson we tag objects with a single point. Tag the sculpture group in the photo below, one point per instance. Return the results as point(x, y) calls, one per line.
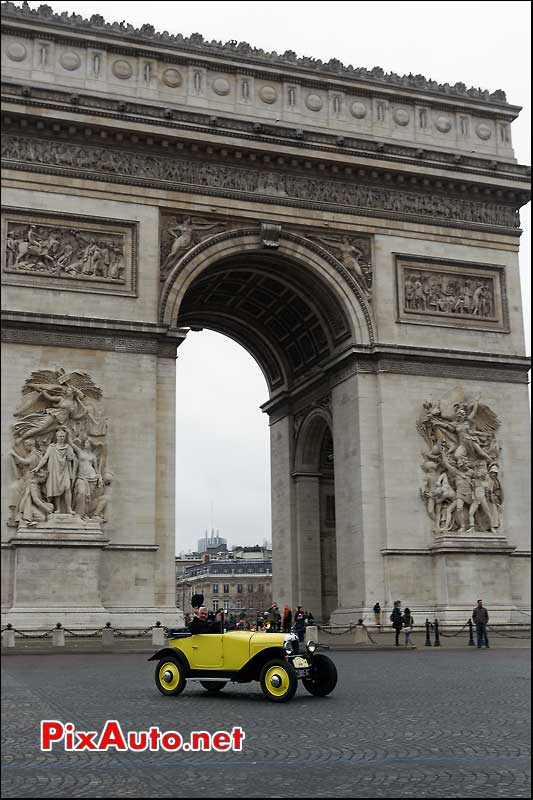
point(462, 488)
point(441, 293)
point(60, 252)
point(59, 452)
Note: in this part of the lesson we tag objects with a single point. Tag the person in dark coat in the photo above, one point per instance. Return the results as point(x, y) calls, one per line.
point(299, 623)
point(396, 620)
point(480, 618)
point(200, 622)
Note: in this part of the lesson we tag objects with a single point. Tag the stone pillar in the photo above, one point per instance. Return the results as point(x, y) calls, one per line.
point(358, 496)
point(284, 558)
point(307, 501)
point(165, 569)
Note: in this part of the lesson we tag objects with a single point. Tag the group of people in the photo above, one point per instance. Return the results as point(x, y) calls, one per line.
point(274, 621)
point(404, 622)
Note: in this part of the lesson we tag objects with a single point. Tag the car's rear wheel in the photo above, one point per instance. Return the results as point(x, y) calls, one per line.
point(278, 681)
point(213, 686)
point(170, 676)
point(323, 678)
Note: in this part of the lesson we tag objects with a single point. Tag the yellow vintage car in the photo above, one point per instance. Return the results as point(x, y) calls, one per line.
point(276, 660)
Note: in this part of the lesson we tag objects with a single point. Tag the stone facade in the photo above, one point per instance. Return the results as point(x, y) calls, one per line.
point(356, 232)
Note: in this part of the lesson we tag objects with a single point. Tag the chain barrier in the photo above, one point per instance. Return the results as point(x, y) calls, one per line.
point(453, 635)
point(29, 635)
point(133, 635)
point(82, 634)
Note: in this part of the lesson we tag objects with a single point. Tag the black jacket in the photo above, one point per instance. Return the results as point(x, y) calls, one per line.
point(396, 618)
point(204, 626)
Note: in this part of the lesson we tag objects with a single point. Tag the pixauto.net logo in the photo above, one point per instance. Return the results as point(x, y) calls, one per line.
point(55, 733)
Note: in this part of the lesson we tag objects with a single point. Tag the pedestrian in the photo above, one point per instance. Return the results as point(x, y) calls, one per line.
point(299, 623)
point(377, 614)
point(408, 623)
point(480, 618)
point(274, 618)
point(396, 619)
point(287, 620)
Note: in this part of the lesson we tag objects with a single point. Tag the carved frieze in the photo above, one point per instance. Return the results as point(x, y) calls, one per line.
point(226, 180)
point(452, 294)
point(68, 252)
point(59, 454)
point(462, 487)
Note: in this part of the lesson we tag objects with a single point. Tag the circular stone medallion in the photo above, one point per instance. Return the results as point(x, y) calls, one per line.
point(268, 94)
point(70, 60)
point(443, 124)
point(122, 69)
point(401, 116)
point(358, 110)
point(16, 51)
point(314, 102)
point(483, 131)
point(172, 77)
point(221, 86)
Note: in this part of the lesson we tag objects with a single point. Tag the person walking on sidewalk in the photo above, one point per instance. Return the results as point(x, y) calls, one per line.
point(480, 618)
point(408, 623)
point(396, 619)
point(377, 614)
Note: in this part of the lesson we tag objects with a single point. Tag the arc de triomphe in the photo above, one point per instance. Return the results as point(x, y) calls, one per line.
point(356, 232)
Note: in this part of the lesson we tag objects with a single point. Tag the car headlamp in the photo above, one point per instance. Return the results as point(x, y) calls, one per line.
point(311, 646)
point(288, 647)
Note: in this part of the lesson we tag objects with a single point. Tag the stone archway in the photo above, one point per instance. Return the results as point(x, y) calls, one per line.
point(316, 542)
point(297, 310)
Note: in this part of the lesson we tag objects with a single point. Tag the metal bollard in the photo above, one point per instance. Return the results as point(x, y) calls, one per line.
point(8, 636)
point(108, 635)
point(158, 634)
point(437, 637)
point(427, 643)
point(58, 636)
point(471, 642)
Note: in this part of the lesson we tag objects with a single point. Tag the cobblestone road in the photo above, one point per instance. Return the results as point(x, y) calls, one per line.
point(407, 724)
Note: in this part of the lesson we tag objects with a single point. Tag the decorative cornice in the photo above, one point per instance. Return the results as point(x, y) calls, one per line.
point(266, 185)
point(245, 53)
point(262, 132)
point(90, 334)
point(381, 358)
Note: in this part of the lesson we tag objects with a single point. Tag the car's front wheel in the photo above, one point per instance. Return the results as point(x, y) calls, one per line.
point(213, 686)
point(323, 678)
point(170, 676)
point(278, 681)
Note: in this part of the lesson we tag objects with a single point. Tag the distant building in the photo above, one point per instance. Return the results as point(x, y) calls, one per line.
point(212, 543)
point(233, 584)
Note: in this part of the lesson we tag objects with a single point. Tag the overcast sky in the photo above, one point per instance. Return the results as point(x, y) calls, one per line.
point(222, 436)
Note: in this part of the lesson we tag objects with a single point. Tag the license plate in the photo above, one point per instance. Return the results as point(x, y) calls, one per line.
point(300, 663)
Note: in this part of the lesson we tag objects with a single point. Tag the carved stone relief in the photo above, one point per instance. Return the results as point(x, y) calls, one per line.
point(354, 253)
point(223, 179)
point(59, 454)
point(179, 234)
point(462, 487)
point(445, 293)
point(67, 252)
